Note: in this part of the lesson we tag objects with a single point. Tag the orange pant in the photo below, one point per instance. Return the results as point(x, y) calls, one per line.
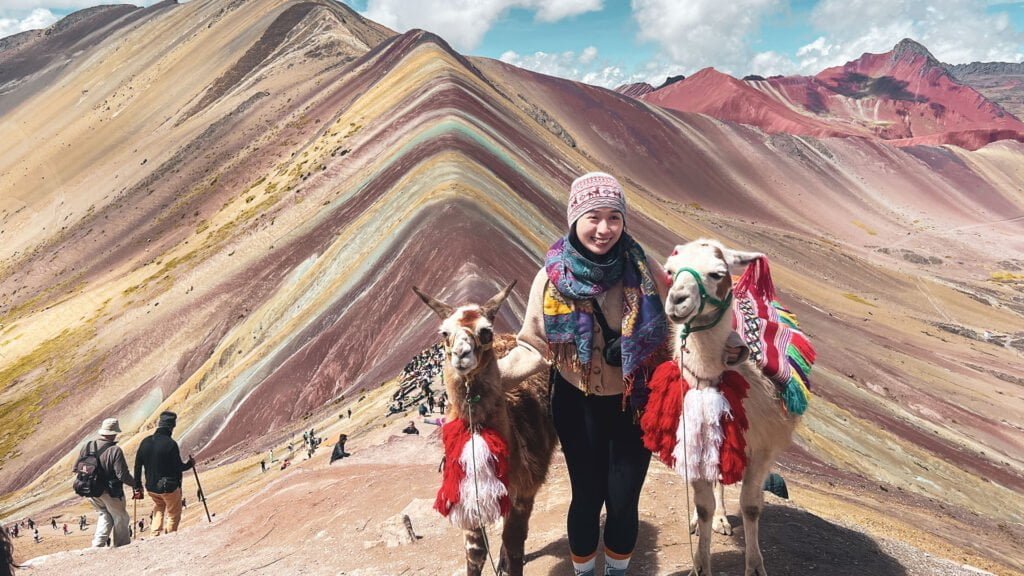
point(166, 512)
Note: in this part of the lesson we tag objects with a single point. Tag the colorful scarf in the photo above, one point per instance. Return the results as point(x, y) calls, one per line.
point(575, 281)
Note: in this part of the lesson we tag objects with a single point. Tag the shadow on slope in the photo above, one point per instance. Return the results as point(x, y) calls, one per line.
point(794, 541)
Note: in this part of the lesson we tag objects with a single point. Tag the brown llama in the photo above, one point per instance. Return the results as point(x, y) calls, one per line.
point(699, 306)
point(480, 405)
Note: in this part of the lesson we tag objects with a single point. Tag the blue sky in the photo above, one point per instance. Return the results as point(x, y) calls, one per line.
point(609, 42)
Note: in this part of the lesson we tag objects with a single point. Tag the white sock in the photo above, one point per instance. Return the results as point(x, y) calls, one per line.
point(583, 567)
point(615, 563)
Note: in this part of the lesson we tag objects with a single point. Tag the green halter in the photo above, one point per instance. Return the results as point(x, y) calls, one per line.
point(705, 298)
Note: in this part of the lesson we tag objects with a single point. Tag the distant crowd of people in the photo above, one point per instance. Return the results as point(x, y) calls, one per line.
point(415, 387)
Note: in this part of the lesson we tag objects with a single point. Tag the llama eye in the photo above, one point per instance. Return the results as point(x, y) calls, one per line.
point(668, 277)
point(486, 335)
point(716, 275)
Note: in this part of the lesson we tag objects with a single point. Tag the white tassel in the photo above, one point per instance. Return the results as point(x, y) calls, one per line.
point(481, 491)
point(699, 451)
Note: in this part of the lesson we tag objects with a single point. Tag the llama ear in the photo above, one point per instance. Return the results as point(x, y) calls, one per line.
point(738, 260)
point(490, 308)
point(440, 308)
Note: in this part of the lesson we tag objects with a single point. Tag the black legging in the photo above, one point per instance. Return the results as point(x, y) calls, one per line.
point(607, 464)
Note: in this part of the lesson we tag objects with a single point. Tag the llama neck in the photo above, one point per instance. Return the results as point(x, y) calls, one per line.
point(702, 361)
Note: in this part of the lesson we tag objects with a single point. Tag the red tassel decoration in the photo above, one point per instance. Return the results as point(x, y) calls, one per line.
point(757, 279)
point(454, 435)
point(662, 418)
point(732, 459)
point(499, 448)
point(804, 346)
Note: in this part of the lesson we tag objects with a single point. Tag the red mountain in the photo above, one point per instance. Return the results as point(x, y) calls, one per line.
point(904, 95)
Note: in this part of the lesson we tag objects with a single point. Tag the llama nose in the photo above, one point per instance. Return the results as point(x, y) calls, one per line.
point(679, 299)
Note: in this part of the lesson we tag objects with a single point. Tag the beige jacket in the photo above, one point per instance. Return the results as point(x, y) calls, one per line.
point(531, 354)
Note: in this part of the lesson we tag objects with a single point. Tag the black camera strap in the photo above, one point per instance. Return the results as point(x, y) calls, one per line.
point(606, 330)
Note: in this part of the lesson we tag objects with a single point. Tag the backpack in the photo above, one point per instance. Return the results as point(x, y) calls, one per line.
point(90, 479)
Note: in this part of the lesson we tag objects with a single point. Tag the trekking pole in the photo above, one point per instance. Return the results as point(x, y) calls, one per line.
point(201, 495)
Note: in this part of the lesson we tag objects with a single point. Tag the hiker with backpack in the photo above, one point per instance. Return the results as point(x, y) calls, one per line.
point(100, 475)
point(161, 458)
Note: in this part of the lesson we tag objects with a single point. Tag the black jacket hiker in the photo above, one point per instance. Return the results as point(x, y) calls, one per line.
point(160, 456)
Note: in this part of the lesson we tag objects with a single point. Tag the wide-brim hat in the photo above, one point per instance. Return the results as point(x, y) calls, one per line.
point(110, 427)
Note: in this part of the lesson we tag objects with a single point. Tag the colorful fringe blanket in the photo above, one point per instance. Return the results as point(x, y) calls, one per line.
point(777, 346)
point(474, 488)
point(712, 444)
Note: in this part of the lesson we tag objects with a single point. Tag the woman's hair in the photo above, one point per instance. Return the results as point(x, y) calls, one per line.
point(7, 564)
point(342, 437)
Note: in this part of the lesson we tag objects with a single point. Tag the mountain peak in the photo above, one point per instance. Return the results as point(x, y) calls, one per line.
point(908, 46)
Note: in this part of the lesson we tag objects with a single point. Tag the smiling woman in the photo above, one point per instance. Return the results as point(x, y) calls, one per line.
point(597, 288)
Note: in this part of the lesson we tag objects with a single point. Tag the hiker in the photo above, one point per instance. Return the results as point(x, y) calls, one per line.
point(576, 313)
point(161, 458)
point(35, 535)
point(411, 429)
point(443, 401)
point(350, 413)
point(110, 477)
point(395, 408)
point(53, 523)
point(263, 466)
point(339, 448)
point(142, 525)
point(31, 524)
point(422, 410)
point(66, 531)
point(430, 402)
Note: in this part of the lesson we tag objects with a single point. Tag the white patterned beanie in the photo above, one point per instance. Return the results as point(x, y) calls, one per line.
point(594, 190)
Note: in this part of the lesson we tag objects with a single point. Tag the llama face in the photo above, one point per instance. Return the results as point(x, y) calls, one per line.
point(467, 331)
point(466, 334)
point(713, 264)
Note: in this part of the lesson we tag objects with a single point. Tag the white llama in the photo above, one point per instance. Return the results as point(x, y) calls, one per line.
point(699, 306)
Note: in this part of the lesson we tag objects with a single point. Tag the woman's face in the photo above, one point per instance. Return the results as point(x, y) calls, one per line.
point(599, 229)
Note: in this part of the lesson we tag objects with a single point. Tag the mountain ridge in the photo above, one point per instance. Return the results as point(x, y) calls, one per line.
point(248, 266)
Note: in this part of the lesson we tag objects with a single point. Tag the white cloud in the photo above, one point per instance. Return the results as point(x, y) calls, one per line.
point(34, 20)
point(553, 11)
point(463, 23)
point(13, 6)
point(771, 63)
point(583, 67)
point(954, 31)
point(588, 55)
point(699, 33)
